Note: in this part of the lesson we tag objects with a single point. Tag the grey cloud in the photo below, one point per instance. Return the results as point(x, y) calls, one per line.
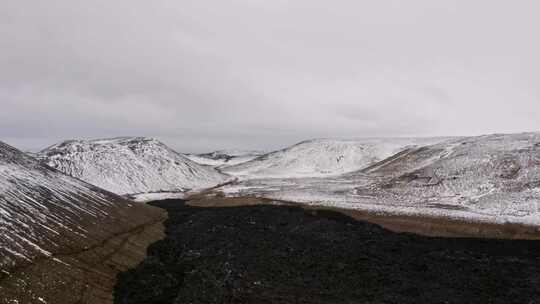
point(203, 75)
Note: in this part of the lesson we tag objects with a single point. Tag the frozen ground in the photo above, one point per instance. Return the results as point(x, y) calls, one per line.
point(494, 178)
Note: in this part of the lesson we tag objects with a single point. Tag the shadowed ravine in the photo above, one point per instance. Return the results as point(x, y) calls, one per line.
point(283, 254)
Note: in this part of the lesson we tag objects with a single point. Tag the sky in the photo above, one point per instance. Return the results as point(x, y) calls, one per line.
point(256, 74)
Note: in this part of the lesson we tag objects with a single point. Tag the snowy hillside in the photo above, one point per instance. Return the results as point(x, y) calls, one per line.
point(223, 158)
point(493, 178)
point(43, 211)
point(130, 165)
point(493, 174)
point(324, 157)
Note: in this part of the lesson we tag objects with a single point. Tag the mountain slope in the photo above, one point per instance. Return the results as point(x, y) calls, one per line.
point(495, 175)
point(130, 165)
point(324, 157)
point(491, 178)
point(223, 158)
point(46, 218)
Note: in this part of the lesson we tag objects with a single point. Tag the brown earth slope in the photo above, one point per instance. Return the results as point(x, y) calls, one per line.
point(62, 240)
point(86, 276)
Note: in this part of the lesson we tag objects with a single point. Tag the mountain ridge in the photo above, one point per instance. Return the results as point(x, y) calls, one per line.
point(130, 165)
point(324, 157)
point(39, 203)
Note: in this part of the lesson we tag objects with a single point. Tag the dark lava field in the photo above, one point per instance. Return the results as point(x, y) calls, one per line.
point(278, 254)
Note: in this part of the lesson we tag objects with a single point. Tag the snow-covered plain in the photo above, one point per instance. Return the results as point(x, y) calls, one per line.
point(324, 157)
point(43, 210)
point(494, 178)
point(130, 165)
point(156, 196)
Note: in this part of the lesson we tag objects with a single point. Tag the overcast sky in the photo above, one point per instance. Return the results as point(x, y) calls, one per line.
point(208, 74)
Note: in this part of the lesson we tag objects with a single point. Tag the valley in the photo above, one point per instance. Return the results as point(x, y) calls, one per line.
point(284, 254)
point(269, 152)
point(408, 220)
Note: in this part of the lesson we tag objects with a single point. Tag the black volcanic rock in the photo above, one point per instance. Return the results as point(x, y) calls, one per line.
point(271, 254)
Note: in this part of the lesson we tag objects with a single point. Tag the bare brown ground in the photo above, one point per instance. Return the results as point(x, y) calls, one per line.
point(87, 276)
point(428, 226)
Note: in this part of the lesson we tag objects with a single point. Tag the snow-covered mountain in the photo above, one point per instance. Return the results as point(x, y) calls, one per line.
point(492, 174)
point(130, 165)
point(494, 178)
point(223, 158)
point(44, 212)
point(324, 157)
